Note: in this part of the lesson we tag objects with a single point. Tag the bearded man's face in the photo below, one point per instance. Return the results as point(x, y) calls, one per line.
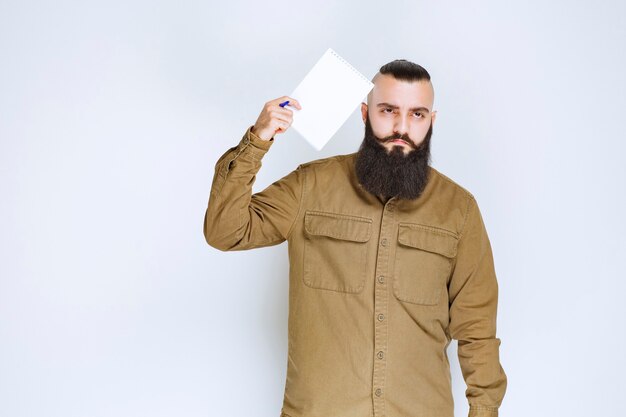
point(394, 157)
point(397, 171)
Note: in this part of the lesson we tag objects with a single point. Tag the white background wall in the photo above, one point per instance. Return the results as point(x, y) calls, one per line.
point(113, 114)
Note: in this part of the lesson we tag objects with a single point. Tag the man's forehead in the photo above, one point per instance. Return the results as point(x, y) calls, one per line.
point(387, 89)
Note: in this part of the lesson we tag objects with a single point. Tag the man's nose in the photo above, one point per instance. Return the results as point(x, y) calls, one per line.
point(402, 125)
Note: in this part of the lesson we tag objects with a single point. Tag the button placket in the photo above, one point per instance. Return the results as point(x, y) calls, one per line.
point(381, 295)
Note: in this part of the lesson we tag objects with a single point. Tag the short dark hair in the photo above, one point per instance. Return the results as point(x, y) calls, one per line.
point(404, 70)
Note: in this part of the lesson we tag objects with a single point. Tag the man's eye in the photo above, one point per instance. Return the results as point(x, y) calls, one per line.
point(387, 108)
point(420, 114)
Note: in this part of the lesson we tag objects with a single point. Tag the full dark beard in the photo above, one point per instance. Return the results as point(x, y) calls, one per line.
point(393, 174)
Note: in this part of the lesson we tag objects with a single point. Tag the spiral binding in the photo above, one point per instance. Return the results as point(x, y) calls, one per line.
point(349, 65)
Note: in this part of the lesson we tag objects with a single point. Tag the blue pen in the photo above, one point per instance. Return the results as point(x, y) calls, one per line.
point(284, 103)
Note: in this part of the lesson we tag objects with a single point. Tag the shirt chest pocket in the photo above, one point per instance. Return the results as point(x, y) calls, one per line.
point(423, 263)
point(335, 251)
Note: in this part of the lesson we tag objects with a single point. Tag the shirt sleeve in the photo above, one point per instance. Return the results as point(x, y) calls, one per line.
point(473, 296)
point(237, 220)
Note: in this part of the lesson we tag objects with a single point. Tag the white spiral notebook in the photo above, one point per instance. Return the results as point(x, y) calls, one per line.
point(328, 95)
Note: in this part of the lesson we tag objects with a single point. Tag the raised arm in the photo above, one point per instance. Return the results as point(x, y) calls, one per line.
point(237, 220)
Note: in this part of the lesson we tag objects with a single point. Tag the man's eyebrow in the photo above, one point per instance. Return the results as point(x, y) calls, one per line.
point(424, 109)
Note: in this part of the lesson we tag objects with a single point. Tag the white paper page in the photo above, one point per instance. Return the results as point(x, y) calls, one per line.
point(328, 95)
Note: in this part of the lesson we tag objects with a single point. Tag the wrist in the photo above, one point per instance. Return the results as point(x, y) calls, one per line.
point(260, 134)
point(258, 143)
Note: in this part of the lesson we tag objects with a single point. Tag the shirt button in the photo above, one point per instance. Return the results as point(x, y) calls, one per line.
point(380, 355)
point(383, 242)
point(381, 279)
point(381, 317)
point(378, 392)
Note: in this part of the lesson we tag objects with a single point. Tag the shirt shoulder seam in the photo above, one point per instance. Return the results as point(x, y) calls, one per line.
point(302, 169)
point(452, 182)
point(326, 160)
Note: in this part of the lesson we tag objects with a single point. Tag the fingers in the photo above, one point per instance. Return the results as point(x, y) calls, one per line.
point(274, 111)
point(281, 113)
point(282, 121)
point(292, 102)
point(275, 119)
point(281, 125)
point(279, 118)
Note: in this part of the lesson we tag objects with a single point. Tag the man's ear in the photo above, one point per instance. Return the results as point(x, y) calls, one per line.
point(363, 111)
point(434, 116)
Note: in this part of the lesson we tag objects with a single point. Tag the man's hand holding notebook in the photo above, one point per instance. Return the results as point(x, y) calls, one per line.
point(319, 105)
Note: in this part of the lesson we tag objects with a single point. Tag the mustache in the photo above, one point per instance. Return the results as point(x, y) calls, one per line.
point(396, 136)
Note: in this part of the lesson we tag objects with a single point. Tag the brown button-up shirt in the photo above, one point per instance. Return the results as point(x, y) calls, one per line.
point(377, 287)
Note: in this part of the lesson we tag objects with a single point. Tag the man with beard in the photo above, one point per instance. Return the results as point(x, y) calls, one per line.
point(401, 171)
point(389, 261)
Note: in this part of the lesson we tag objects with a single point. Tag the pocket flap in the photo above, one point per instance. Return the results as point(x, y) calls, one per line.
point(428, 238)
point(338, 226)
